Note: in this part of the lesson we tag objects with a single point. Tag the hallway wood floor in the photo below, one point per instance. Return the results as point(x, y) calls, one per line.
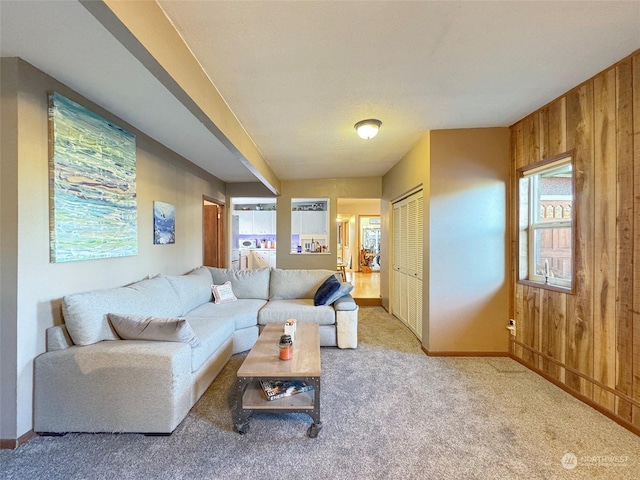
point(366, 287)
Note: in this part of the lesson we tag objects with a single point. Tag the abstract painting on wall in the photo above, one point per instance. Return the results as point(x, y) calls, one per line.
point(92, 172)
point(164, 223)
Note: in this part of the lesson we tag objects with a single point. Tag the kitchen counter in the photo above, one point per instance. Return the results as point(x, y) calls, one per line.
point(258, 258)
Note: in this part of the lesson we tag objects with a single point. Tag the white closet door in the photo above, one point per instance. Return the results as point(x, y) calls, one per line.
point(396, 292)
point(413, 288)
point(395, 300)
point(407, 256)
point(419, 238)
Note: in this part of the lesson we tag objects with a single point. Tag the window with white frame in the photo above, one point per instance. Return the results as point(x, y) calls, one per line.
point(546, 222)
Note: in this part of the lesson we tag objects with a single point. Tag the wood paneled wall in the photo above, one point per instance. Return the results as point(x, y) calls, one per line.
point(588, 342)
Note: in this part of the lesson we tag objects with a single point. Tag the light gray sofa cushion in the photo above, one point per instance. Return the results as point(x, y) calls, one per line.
point(292, 284)
point(245, 283)
point(213, 333)
point(85, 314)
point(143, 327)
point(193, 289)
point(328, 337)
point(302, 309)
point(243, 312)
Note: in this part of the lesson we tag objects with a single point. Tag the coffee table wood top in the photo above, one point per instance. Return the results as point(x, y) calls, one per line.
point(264, 358)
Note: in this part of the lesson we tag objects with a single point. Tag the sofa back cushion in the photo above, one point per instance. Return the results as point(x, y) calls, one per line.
point(296, 283)
point(193, 289)
point(85, 314)
point(244, 283)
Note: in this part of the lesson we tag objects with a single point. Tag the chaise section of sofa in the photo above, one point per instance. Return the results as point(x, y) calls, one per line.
point(118, 386)
point(92, 381)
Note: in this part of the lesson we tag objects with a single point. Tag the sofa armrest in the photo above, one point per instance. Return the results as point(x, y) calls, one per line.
point(347, 328)
point(58, 338)
point(346, 303)
point(113, 386)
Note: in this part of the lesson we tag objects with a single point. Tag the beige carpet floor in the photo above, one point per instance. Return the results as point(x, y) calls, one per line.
point(388, 411)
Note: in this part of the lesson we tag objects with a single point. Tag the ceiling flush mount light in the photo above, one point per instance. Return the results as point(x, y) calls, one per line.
point(368, 128)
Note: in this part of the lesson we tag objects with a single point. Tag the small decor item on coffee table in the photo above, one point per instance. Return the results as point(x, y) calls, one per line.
point(286, 347)
point(290, 328)
point(263, 364)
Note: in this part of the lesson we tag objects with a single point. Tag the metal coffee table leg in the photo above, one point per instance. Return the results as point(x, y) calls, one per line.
point(316, 426)
point(240, 415)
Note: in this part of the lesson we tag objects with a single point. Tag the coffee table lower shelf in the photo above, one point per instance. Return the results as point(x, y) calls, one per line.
point(250, 400)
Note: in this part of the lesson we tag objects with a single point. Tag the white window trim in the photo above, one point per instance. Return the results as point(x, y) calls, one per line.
point(534, 226)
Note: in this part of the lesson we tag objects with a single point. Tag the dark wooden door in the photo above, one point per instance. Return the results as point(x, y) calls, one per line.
point(213, 234)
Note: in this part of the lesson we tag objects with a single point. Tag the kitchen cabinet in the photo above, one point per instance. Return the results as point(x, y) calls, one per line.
point(309, 223)
point(295, 222)
point(264, 222)
point(257, 222)
point(313, 223)
point(245, 223)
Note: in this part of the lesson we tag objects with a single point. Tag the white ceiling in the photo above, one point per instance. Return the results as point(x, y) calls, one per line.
point(299, 75)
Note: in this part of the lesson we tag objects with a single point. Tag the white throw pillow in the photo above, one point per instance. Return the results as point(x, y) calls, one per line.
point(144, 327)
point(223, 293)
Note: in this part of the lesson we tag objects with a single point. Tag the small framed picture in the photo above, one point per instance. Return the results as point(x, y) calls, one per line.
point(164, 223)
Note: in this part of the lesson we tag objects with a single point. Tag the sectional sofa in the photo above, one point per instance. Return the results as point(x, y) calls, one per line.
point(91, 380)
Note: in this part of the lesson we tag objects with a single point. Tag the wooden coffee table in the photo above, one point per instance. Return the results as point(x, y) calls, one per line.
point(263, 363)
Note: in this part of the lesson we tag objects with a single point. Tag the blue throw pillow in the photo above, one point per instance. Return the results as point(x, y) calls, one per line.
point(345, 289)
point(326, 290)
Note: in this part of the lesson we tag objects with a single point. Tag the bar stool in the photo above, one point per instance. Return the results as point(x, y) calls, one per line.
point(342, 270)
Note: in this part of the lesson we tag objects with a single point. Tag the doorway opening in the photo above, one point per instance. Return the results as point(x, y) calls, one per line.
point(213, 243)
point(354, 216)
point(369, 243)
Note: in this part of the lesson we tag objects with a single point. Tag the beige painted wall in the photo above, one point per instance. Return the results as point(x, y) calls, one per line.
point(8, 246)
point(255, 189)
point(366, 187)
point(463, 174)
point(358, 206)
point(161, 175)
point(410, 173)
point(468, 287)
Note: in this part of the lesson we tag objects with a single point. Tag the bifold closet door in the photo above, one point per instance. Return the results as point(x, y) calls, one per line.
point(408, 225)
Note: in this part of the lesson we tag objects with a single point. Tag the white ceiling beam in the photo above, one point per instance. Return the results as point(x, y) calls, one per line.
point(145, 31)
